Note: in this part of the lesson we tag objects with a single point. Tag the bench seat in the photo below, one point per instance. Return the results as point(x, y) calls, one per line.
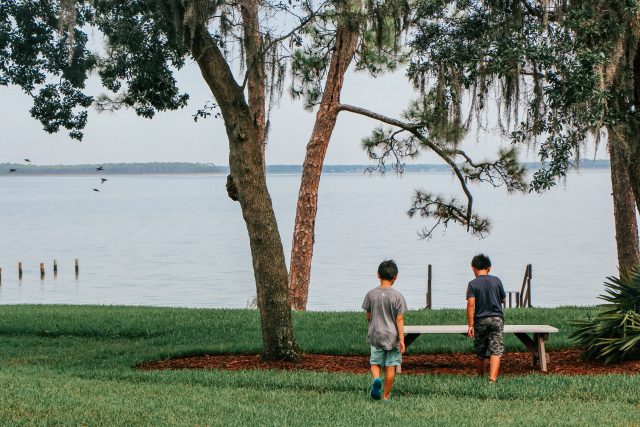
point(534, 343)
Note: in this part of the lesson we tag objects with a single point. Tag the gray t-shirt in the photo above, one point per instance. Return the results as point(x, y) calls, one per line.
point(384, 304)
point(489, 293)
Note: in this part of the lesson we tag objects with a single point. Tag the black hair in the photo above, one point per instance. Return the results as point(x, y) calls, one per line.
point(481, 262)
point(388, 269)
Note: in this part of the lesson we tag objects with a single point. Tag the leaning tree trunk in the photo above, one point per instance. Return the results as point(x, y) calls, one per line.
point(624, 205)
point(307, 206)
point(246, 164)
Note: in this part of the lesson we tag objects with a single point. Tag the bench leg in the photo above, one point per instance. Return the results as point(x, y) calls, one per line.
point(531, 346)
point(536, 347)
point(410, 338)
point(542, 355)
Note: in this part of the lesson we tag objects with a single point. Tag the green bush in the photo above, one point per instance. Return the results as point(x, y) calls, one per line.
point(614, 334)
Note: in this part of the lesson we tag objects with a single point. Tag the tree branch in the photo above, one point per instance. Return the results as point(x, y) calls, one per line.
point(414, 129)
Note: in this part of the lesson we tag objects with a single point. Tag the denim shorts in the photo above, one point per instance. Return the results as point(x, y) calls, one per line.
point(382, 357)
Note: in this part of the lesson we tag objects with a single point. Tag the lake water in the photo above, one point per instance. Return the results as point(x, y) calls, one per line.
point(178, 240)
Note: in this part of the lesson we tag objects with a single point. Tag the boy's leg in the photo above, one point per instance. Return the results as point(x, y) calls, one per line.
point(377, 359)
point(480, 346)
point(496, 347)
point(389, 377)
point(393, 359)
point(375, 371)
point(494, 367)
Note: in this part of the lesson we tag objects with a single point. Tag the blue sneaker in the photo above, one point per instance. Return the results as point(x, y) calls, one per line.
point(376, 389)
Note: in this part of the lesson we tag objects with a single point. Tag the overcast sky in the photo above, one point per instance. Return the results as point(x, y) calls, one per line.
point(174, 136)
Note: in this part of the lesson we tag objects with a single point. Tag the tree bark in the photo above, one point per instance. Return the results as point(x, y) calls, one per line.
point(307, 207)
point(245, 133)
point(624, 203)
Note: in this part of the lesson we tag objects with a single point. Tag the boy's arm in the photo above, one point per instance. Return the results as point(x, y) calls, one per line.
point(368, 316)
point(471, 307)
point(400, 326)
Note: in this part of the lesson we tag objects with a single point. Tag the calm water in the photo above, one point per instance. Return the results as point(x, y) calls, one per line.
point(179, 241)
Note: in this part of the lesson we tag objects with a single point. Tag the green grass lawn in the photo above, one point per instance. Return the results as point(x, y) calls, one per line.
point(72, 365)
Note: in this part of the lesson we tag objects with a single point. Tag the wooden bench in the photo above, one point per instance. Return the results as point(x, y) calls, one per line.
point(534, 343)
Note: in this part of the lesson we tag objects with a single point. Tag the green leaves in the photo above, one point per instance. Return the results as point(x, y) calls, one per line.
point(614, 334)
point(444, 211)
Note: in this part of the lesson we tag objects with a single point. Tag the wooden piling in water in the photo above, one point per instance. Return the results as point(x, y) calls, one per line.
point(77, 267)
point(19, 271)
point(0, 276)
point(55, 267)
point(429, 286)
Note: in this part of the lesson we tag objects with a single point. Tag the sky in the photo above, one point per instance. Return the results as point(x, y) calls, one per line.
point(114, 137)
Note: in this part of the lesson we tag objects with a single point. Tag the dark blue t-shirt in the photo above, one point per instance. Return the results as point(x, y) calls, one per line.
point(489, 293)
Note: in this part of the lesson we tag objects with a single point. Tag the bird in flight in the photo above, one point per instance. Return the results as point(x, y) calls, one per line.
point(27, 160)
point(100, 168)
point(95, 189)
point(102, 180)
point(12, 170)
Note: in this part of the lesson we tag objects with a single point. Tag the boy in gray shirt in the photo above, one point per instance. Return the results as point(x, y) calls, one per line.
point(385, 312)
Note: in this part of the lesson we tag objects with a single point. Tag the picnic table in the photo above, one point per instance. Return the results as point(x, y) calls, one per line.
point(533, 343)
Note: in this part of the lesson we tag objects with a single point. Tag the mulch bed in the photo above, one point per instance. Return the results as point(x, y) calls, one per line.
point(565, 362)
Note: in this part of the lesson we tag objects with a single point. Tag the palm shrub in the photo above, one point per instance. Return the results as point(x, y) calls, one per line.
point(613, 334)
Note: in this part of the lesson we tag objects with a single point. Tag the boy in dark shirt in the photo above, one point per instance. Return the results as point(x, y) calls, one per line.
point(385, 309)
point(485, 296)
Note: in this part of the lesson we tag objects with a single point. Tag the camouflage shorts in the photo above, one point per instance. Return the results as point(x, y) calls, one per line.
point(488, 337)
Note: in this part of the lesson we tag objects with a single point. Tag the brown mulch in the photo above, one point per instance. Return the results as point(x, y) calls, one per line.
point(566, 362)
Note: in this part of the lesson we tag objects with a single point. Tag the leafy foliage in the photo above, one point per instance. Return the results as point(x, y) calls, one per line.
point(381, 24)
point(561, 70)
point(614, 334)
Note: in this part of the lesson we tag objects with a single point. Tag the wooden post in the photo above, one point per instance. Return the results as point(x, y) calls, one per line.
point(42, 270)
point(530, 268)
point(429, 286)
point(510, 293)
point(0, 276)
point(77, 266)
point(19, 271)
point(55, 267)
point(518, 304)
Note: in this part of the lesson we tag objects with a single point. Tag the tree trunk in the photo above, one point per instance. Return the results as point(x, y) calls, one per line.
point(307, 206)
point(246, 164)
point(624, 204)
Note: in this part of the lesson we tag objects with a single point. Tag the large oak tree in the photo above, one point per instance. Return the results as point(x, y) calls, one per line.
point(43, 49)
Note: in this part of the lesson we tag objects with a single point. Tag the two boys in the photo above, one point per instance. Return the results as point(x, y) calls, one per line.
point(385, 309)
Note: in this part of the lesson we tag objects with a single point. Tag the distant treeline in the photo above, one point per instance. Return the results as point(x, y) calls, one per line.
point(111, 168)
point(296, 169)
point(184, 168)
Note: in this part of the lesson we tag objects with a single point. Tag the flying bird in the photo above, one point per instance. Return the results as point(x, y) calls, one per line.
point(100, 168)
point(102, 180)
point(27, 160)
point(95, 189)
point(12, 170)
